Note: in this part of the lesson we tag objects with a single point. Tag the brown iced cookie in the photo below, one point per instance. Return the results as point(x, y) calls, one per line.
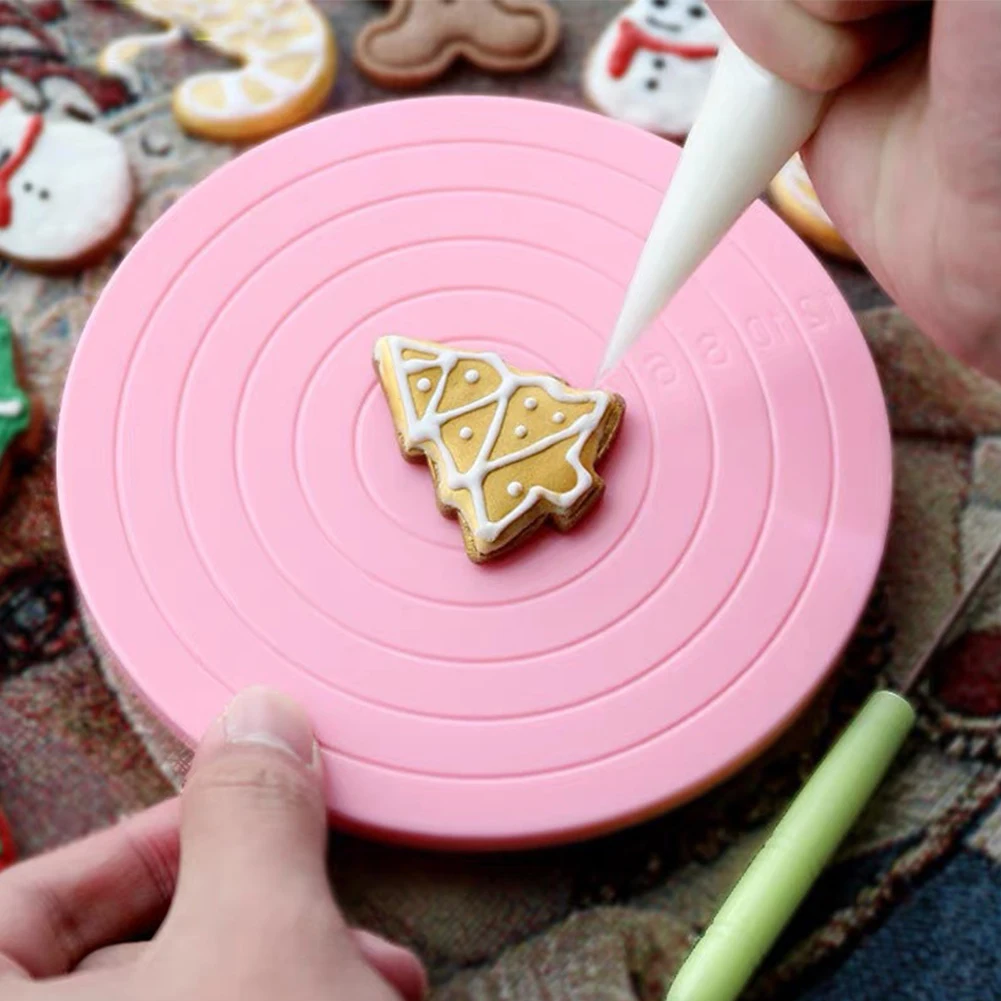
point(419, 39)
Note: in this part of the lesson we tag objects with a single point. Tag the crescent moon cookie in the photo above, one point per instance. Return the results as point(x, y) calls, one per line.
point(22, 418)
point(652, 65)
point(508, 450)
point(792, 195)
point(418, 40)
point(287, 52)
point(66, 190)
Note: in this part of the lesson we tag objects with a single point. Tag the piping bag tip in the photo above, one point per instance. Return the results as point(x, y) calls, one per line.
point(607, 364)
point(750, 123)
point(639, 310)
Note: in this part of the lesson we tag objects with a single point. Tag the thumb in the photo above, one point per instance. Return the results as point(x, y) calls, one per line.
point(253, 842)
point(253, 845)
point(253, 819)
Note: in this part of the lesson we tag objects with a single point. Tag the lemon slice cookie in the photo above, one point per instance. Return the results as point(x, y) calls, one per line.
point(285, 48)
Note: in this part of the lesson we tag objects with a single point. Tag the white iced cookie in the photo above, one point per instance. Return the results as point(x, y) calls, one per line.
point(285, 48)
point(66, 190)
point(652, 65)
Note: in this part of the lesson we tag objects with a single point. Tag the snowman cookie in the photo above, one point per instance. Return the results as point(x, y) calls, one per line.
point(652, 65)
point(66, 190)
point(508, 450)
point(285, 48)
point(22, 419)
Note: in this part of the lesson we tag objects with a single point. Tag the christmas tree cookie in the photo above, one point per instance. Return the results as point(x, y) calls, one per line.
point(285, 50)
point(508, 450)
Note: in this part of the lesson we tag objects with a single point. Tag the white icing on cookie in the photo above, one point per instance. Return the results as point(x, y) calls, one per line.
point(520, 431)
point(389, 351)
point(465, 433)
point(652, 65)
point(15, 39)
point(531, 402)
point(472, 376)
point(65, 187)
point(119, 57)
point(424, 384)
point(515, 489)
point(559, 417)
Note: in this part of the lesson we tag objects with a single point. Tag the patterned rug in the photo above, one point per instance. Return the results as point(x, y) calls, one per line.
point(910, 910)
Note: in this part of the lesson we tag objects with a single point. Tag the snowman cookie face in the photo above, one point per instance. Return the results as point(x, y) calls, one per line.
point(652, 65)
point(66, 190)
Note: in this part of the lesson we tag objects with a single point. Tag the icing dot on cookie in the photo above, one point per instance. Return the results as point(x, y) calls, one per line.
point(559, 417)
point(520, 431)
point(531, 403)
point(472, 376)
point(424, 385)
point(515, 489)
point(465, 433)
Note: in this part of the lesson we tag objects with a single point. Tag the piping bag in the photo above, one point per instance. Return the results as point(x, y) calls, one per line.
point(750, 124)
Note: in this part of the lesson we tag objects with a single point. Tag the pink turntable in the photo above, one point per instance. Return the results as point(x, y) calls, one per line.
point(238, 513)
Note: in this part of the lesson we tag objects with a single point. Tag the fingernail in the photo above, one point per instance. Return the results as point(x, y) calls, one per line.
point(398, 965)
point(261, 716)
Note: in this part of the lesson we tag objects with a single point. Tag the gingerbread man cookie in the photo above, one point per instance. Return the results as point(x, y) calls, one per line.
point(22, 418)
point(652, 65)
point(286, 49)
point(418, 40)
point(508, 450)
point(66, 190)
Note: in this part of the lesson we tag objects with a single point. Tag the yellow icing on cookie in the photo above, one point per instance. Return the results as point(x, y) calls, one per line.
point(423, 384)
point(464, 436)
point(285, 49)
point(551, 469)
point(256, 91)
point(524, 426)
point(209, 94)
point(508, 449)
point(472, 380)
point(293, 67)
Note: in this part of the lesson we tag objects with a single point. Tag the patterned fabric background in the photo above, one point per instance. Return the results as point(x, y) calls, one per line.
point(912, 907)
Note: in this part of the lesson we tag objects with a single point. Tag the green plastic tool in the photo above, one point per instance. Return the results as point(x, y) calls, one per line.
point(782, 873)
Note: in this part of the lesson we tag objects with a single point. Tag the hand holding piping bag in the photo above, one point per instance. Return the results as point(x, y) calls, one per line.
point(907, 156)
point(893, 103)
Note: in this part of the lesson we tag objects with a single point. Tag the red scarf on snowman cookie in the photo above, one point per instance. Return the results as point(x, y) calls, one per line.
point(9, 166)
point(632, 38)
